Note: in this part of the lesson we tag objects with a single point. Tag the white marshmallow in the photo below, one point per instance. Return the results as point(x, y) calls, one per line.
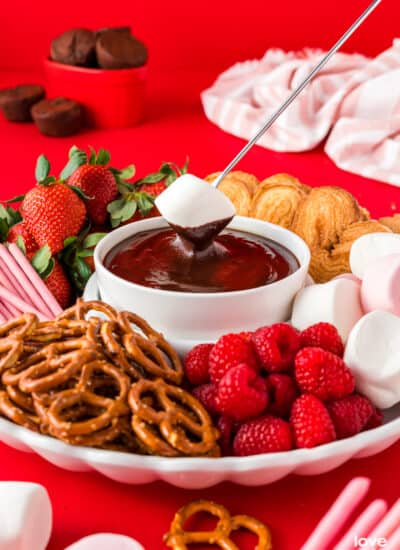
point(373, 354)
point(349, 276)
point(25, 516)
point(106, 541)
point(380, 287)
point(191, 202)
point(336, 302)
point(367, 249)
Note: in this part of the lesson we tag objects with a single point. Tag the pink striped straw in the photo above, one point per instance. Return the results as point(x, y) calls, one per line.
point(22, 278)
point(2, 318)
point(394, 541)
point(389, 524)
point(363, 524)
point(5, 312)
point(13, 272)
point(340, 511)
point(18, 302)
point(52, 306)
point(8, 283)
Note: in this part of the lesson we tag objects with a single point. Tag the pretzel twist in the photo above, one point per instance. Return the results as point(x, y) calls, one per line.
point(154, 354)
point(17, 411)
point(174, 423)
point(179, 539)
point(104, 409)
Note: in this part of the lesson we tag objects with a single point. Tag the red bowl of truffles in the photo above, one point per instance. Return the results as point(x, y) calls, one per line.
point(104, 71)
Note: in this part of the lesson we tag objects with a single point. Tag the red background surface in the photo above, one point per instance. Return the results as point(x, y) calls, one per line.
point(189, 44)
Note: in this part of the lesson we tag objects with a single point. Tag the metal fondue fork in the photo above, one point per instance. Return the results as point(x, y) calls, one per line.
point(297, 91)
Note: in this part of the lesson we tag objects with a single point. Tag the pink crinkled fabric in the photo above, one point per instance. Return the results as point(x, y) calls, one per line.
point(353, 104)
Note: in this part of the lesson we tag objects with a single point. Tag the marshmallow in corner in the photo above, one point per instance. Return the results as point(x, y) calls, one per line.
point(25, 516)
point(191, 202)
point(336, 302)
point(106, 541)
point(373, 354)
point(368, 249)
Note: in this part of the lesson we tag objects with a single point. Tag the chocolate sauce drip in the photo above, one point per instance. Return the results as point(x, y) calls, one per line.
point(203, 235)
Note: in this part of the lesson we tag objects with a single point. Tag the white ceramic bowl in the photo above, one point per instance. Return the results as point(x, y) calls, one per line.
point(187, 318)
point(199, 473)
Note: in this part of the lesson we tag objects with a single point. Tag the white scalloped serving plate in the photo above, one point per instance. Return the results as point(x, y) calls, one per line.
point(198, 473)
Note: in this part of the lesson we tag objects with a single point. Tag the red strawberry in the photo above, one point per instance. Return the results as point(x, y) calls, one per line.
point(350, 415)
point(242, 394)
point(58, 284)
point(98, 183)
point(95, 179)
point(323, 374)
point(267, 434)
point(196, 364)
point(154, 189)
point(276, 346)
point(311, 422)
point(230, 350)
point(322, 335)
point(52, 210)
point(21, 231)
point(137, 200)
point(282, 392)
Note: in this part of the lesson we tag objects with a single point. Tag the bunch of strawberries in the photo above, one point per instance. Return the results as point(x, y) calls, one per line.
point(60, 220)
point(277, 389)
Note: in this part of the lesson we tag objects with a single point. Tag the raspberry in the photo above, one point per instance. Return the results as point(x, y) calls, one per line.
point(246, 335)
point(322, 335)
point(267, 434)
point(196, 364)
point(375, 420)
point(276, 346)
point(350, 415)
point(282, 392)
point(229, 351)
point(207, 395)
point(227, 428)
point(242, 394)
point(323, 374)
point(311, 422)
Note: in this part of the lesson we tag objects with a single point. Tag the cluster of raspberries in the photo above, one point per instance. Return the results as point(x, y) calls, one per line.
point(277, 389)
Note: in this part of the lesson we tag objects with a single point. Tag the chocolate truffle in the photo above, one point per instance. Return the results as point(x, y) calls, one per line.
point(119, 50)
point(16, 102)
point(113, 29)
point(58, 117)
point(75, 47)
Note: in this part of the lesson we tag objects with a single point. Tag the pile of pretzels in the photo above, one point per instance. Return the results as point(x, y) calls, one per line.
point(107, 381)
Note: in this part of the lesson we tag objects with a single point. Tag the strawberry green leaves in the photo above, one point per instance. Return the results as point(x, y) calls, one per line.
point(43, 262)
point(8, 218)
point(169, 172)
point(77, 256)
point(42, 171)
point(123, 209)
point(133, 199)
point(77, 158)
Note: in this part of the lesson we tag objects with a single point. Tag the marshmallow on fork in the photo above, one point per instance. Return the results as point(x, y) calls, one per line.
point(336, 302)
point(191, 202)
point(25, 516)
